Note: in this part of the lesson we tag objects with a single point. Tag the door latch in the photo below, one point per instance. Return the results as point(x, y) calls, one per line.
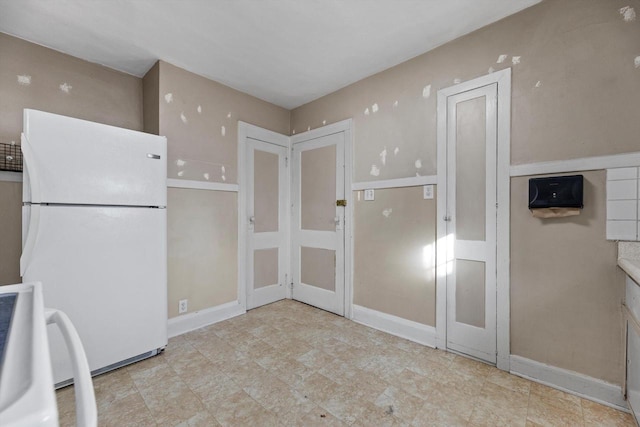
point(341, 202)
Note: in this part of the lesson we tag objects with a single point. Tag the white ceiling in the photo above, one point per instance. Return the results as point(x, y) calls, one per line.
point(288, 52)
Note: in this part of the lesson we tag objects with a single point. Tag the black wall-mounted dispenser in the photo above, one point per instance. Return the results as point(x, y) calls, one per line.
point(556, 192)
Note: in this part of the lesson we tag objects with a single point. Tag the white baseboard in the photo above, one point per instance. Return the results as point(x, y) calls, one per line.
point(413, 331)
point(198, 319)
point(570, 382)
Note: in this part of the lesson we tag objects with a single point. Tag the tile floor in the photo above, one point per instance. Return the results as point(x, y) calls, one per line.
point(289, 364)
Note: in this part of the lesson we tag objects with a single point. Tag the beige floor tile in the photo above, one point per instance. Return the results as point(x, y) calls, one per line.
point(113, 386)
point(373, 415)
point(317, 387)
point(498, 406)
point(431, 415)
point(315, 359)
point(171, 403)
point(557, 398)
point(414, 383)
point(239, 409)
point(216, 390)
point(367, 386)
point(129, 411)
point(509, 381)
point(596, 414)
point(66, 406)
point(471, 367)
point(289, 364)
point(146, 374)
point(541, 413)
point(295, 414)
point(201, 419)
point(462, 382)
point(320, 417)
point(400, 404)
point(453, 400)
point(343, 404)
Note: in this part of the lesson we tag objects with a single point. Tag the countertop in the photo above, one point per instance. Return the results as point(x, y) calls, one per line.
point(631, 267)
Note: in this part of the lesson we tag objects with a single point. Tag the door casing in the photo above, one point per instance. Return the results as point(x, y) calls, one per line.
point(503, 160)
point(245, 131)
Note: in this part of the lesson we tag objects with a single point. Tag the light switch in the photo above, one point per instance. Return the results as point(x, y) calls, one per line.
point(369, 194)
point(427, 191)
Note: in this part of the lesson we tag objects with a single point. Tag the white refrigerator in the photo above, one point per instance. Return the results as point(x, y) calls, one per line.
point(94, 233)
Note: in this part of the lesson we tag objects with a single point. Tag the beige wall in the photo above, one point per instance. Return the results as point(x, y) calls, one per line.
point(202, 241)
point(96, 93)
point(198, 144)
point(566, 289)
point(581, 51)
point(11, 220)
point(394, 249)
point(575, 94)
point(192, 112)
point(151, 100)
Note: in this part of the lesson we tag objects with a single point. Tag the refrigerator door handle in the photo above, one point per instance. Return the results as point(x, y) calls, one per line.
point(32, 237)
point(30, 165)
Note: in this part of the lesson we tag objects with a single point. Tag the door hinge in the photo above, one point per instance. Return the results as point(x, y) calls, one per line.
point(286, 162)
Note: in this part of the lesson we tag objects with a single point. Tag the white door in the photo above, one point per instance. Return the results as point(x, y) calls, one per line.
point(105, 267)
point(318, 246)
point(471, 221)
point(267, 188)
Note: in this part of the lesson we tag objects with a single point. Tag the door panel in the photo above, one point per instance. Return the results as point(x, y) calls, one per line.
point(318, 183)
point(471, 211)
point(318, 223)
point(267, 222)
point(265, 267)
point(317, 268)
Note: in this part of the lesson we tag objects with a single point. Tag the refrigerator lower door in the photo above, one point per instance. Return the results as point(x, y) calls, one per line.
point(105, 267)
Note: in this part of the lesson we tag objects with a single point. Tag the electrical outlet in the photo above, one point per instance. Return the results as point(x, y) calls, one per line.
point(427, 191)
point(183, 306)
point(369, 194)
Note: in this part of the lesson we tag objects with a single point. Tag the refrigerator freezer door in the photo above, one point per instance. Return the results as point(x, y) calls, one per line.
point(105, 267)
point(72, 161)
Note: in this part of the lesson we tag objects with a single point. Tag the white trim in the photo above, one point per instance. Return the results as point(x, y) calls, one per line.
point(198, 319)
point(413, 181)
point(201, 185)
point(575, 165)
point(243, 130)
point(248, 131)
point(345, 126)
point(570, 382)
point(503, 229)
point(348, 220)
point(503, 79)
point(265, 135)
point(341, 126)
point(6, 176)
point(408, 329)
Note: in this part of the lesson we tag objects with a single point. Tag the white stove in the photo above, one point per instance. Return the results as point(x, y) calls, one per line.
point(27, 391)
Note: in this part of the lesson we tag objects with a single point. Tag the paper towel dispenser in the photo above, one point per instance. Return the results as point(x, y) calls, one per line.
point(556, 192)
